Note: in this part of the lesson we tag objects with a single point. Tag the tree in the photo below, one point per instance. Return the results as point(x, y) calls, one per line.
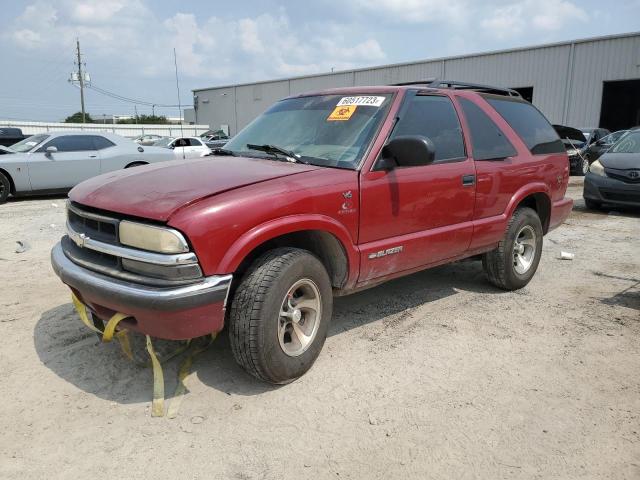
point(146, 119)
point(77, 118)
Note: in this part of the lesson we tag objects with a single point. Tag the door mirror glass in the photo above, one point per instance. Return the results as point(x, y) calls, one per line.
point(406, 151)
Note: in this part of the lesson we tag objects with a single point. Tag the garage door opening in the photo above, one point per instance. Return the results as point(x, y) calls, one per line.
point(525, 92)
point(620, 105)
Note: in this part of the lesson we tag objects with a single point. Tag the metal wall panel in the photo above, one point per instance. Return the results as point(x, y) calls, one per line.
point(595, 63)
point(572, 99)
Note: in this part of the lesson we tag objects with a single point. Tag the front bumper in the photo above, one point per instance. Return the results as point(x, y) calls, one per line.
point(176, 313)
point(611, 191)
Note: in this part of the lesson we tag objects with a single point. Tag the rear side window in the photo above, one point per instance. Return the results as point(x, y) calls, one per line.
point(71, 143)
point(102, 143)
point(433, 117)
point(489, 142)
point(532, 127)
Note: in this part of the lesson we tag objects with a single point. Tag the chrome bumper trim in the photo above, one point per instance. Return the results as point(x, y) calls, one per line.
point(209, 290)
point(130, 253)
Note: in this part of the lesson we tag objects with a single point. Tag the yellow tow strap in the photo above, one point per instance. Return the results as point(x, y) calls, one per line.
point(157, 404)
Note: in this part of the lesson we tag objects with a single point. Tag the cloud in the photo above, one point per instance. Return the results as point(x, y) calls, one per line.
point(515, 18)
point(453, 12)
point(244, 49)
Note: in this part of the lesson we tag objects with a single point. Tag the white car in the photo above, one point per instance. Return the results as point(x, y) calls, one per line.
point(57, 161)
point(185, 147)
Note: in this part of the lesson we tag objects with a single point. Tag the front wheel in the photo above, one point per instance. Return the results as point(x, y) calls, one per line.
point(5, 188)
point(512, 265)
point(280, 315)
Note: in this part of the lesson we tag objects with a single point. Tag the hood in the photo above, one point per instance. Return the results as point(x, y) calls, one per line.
point(621, 161)
point(4, 150)
point(157, 191)
point(571, 137)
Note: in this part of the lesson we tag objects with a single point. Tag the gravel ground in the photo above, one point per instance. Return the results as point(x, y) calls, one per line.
point(436, 375)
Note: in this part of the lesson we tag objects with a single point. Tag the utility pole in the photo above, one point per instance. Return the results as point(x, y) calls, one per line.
point(80, 79)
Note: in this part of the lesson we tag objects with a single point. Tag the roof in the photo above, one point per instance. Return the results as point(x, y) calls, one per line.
point(437, 59)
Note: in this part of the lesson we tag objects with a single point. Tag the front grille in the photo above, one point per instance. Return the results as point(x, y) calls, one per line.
point(620, 196)
point(94, 225)
point(626, 176)
point(93, 243)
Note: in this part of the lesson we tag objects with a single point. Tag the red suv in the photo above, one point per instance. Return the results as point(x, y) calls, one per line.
point(324, 194)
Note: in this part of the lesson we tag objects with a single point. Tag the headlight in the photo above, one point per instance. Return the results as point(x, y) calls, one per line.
point(597, 169)
point(571, 152)
point(154, 239)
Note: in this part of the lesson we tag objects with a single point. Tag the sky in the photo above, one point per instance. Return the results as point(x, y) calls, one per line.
point(127, 45)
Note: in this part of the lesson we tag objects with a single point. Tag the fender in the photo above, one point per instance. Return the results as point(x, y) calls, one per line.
point(490, 230)
point(525, 191)
point(289, 224)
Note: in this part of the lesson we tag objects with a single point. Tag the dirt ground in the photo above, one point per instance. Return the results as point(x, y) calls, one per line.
point(437, 375)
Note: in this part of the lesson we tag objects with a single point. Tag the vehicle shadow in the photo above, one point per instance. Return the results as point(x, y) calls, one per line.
point(629, 212)
point(48, 196)
point(76, 355)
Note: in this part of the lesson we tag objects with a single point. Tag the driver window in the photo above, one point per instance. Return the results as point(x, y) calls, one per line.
point(434, 117)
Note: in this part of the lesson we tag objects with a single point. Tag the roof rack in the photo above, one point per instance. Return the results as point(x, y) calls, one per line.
point(452, 84)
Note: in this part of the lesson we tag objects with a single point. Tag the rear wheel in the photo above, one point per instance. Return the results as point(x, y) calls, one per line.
point(5, 188)
point(512, 265)
point(280, 315)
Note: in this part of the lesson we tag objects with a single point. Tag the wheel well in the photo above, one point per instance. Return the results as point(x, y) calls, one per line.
point(322, 244)
point(135, 164)
point(541, 203)
point(12, 186)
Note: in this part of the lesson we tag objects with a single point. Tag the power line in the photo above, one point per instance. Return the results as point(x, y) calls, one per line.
point(122, 98)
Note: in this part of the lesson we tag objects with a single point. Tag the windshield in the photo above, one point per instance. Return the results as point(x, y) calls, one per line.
point(28, 143)
point(325, 130)
point(163, 142)
point(629, 143)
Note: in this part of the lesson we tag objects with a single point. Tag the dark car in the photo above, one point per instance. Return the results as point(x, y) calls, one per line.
point(595, 150)
point(9, 136)
point(575, 144)
point(615, 177)
point(593, 134)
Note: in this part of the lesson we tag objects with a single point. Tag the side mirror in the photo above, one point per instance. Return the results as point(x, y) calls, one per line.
point(50, 150)
point(406, 151)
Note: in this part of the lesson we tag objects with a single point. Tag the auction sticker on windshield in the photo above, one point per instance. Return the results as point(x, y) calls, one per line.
point(342, 113)
point(361, 100)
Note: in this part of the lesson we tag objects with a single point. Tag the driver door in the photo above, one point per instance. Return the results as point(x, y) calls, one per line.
point(418, 215)
point(75, 160)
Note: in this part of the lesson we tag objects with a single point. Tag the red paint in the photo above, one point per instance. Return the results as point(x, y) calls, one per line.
point(228, 206)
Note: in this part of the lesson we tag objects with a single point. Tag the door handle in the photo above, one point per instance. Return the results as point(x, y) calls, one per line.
point(93, 156)
point(468, 180)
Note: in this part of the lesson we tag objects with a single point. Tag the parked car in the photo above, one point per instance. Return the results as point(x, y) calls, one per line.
point(324, 194)
point(597, 148)
point(593, 134)
point(615, 177)
point(210, 135)
point(575, 143)
point(9, 136)
point(184, 147)
point(147, 140)
point(57, 161)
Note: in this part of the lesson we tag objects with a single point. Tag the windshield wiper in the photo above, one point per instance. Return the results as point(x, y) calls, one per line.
point(222, 151)
point(275, 151)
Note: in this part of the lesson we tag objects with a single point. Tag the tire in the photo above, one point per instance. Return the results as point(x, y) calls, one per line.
point(592, 204)
point(500, 264)
point(263, 340)
point(136, 164)
point(583, 166)
point(5, 188)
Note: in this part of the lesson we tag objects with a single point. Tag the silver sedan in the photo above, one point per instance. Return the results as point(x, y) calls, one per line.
point(51, 162)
